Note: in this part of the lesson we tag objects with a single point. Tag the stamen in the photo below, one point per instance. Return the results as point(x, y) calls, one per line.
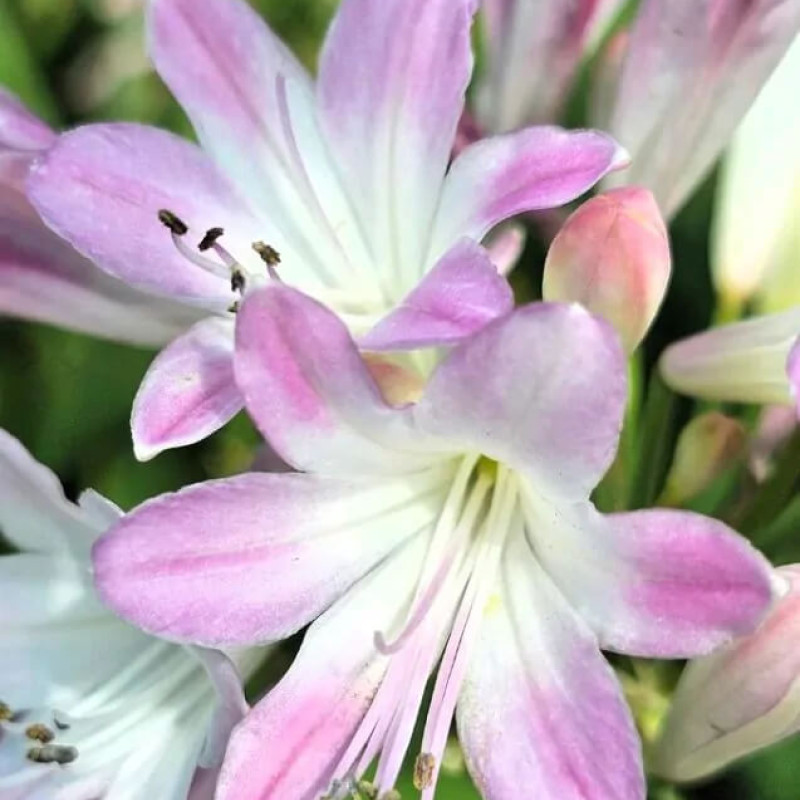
point(40, 733)
point(6, 714)
point(423, 771)
point(270, 256)
point(173, 222)
point(368, 790)
point(208, 241)
point(53, 754)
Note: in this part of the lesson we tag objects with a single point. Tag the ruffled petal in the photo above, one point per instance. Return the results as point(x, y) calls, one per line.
point(461, 294)
point(537, 168)
point(310, 392)
point(392, 80)
point(101, 187)
point(256, 557)
point(540, 709)
point(542, 390)
point(658, 584)
point(308, 719)
point(189, 391)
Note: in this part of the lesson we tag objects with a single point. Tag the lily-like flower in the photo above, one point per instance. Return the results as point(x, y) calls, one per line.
point(42, 278)
point(452, 521)
point(754, 361)
point(612, 255)
point(755, 244)
point(740, 699)
point(691, 73)
point(90, 707)
point(347, 183)
point(533, 50)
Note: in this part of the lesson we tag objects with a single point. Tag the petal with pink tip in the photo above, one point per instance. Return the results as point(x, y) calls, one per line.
point(737, 700)
point(42, 278)
point(307, 720)
point(19, 128)
point(793, 372)
point(542, 390)
point(310, 392)
point(540, 707)
point(744, 362)
point(101, 188)
point(495, 179)
point(691, 73)
point(392, 80)
point(460, 295)
point(189, 391)
point(658, 584)
point(256, 557)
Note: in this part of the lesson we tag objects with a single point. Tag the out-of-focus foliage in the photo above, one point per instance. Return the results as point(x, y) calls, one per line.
point(68, 397)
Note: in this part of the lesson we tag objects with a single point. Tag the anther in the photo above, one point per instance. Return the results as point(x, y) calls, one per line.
point(237, 281)
point(210, 239)
point(392, 794)
point(268, 254)
point(234, 307)
point(53, 754)
point(6, 713)
point(40, 733)
point(60, 724)
point(172, 221)
point(369, 791)
point(423, 771)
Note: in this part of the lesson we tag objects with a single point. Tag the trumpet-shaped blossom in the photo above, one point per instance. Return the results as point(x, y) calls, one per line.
point(90, 707)
point(451, 525)
point(691, 73)
point(43, 278)
point(739, 699)
point(754, 361)
point(755, 244)
point(613, 257)
point(347, 183)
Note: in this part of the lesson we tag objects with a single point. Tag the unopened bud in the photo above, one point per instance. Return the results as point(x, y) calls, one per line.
point(613, 257)
point(741, 698)
point(708, 445)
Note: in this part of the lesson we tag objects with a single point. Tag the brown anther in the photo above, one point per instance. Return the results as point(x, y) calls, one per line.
point(5, 712)
point(367, 790)
point(210, 239)
point(172, 221)
point(40, 733)
point(52, 754)
point(234, 307)
point(237, 281)
point(424, 768)
point(268, 254)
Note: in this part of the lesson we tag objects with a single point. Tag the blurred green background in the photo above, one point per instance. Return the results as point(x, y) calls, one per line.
point(68, 397)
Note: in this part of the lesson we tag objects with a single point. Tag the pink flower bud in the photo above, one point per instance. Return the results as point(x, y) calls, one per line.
point(707, 446)
point(613, 256)
point(738, 699)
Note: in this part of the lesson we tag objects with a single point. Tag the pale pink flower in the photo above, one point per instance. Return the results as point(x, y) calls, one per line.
point(348, 181)
point(454, 522)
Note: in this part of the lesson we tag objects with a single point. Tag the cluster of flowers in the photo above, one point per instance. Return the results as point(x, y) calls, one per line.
point(333, 260)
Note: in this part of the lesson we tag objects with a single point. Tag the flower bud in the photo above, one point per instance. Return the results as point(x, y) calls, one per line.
point(739, 699)
point(613, 256)
point(707, 446)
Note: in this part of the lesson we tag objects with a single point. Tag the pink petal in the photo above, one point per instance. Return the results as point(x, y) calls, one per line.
point(101, 188)
point(542, 390)
point(391, 90)
point(42, 278)
point(537, 168)
point(189, 391)
point(540, 707)
point(692, 72)
point(311, 394)
point(256, 557)
point(658, 584)
point(739, 699)
point(462, 293)
point(307, 720)
point(19, 128)
point(793, 372)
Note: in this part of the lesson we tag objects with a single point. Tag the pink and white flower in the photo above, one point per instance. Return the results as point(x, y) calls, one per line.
point(739, 699)
point(44, 279)
point(90, 707)
point(348, 181)
point(458, 526)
